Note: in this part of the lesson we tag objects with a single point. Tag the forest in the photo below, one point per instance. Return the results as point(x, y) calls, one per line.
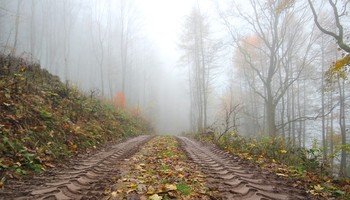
point(264, 79)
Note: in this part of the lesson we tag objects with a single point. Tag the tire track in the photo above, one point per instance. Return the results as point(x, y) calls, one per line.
point(87, 179)
point(235, 178)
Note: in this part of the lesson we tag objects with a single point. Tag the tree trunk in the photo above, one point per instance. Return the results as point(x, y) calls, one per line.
point(324, 138)
point(271, 116)
point(341, 86)
point(13, 52)
point(32, 29)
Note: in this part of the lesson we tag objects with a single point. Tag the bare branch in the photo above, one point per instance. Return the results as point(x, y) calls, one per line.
point(340, 35)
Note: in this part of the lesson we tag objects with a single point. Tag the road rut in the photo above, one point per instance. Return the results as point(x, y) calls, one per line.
point(235, 178)
point(86, 179)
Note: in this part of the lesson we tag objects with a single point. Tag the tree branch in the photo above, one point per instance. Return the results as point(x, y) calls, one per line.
point(338, 37)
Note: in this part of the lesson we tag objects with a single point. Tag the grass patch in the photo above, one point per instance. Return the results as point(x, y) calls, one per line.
point(184, 188)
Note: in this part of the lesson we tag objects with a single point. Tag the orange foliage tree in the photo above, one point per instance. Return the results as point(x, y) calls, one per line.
point(120, 100)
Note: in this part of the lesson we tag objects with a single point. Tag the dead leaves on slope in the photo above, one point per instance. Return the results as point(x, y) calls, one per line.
point(159, 171)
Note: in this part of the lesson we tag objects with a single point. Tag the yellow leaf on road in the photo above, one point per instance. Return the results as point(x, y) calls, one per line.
point(114, 194)
point(318, 187)
point(155, 197)
point(138, 167)
point(170, 187)
point(150, 190)
point(131, 185)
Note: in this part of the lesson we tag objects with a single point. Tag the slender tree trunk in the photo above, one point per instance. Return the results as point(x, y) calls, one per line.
point(32, 29)
point(204, 74)
point(331, 131)
point(16, 28)
point(324, 137)
point(341, 86)
point(283, 106)
point(304, 111)
point(293, 115)
point(289, 116)
point(299, 115)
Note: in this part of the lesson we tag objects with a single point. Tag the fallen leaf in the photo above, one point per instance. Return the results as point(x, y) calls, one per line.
point(131, 185)
point(130, 191)
point(114, 194)
point(150, 190)
point(170, 187)
point(141, 188)
point(7, 104)
point(280, 174)
point(318, 187)
point(155, 197)
point(138, 167)
point(47, 164)
point(283, 151)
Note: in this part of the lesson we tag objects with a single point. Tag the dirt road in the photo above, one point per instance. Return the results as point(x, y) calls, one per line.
point(237, 179)
point(85, 179)
point(88, 178)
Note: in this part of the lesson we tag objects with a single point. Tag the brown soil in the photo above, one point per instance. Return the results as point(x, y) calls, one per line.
point(85, 178)
point(238, 179)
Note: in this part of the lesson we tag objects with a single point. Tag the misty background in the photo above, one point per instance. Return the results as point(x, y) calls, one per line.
point(148, 50)
point(88, 43)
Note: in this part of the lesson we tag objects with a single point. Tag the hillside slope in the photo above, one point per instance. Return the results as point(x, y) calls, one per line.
point(43, 120)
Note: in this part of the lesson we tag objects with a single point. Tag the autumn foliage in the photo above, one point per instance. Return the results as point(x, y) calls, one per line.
point(339, 68)
point(120, 100)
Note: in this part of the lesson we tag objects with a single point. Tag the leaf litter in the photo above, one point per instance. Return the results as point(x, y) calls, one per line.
point(159, 171)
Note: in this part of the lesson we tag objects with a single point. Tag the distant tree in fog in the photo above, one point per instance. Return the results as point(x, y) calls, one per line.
point(15, 41)
point(200, 54)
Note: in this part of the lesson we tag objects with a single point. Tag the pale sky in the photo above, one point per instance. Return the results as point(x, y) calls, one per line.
point(163, 20)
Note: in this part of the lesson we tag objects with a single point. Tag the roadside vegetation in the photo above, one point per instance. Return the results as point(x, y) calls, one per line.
point(43, 120)
point(304, 166)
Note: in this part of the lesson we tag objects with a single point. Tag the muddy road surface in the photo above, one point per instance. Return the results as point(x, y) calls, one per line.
point(238, 179)
point(88, 177)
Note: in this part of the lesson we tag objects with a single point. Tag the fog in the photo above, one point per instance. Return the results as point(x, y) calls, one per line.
point(190, 65)
point(77, 39)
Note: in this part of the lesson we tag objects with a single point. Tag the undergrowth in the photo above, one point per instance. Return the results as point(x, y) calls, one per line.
point(43, 120)
point(304, 166)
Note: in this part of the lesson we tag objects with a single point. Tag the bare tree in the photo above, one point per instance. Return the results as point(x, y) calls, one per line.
point(339, 34)
point(272, 53)
point(200, 55)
